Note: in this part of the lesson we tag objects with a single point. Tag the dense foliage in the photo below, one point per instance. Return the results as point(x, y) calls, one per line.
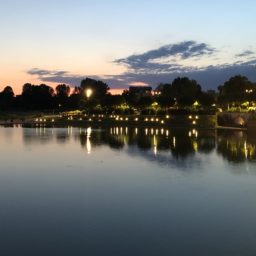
point(94, 96)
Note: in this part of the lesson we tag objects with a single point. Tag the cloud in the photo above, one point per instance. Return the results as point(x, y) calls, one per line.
point(209, 78)
point(245, 54)
point(57, 76)
point(147, 62)
point(43, 72)
point(164, 64)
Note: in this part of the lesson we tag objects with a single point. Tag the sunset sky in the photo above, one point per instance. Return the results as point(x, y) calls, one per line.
point(126, 42)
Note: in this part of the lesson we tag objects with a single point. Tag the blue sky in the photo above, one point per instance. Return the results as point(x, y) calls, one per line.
point(65, 41)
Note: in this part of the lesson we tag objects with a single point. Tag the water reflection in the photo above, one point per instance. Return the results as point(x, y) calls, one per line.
point(236, 146)
point(87, 191)
point(153, 143)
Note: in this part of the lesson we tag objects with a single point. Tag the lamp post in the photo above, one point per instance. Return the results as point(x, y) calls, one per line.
point(88, 93)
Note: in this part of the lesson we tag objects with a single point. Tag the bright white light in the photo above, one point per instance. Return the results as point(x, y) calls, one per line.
point(88, 93)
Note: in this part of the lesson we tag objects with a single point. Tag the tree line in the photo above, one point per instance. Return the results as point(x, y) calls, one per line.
point(182, 92)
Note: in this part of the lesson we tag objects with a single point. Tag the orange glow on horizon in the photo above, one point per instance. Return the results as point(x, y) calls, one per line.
point(116, 91)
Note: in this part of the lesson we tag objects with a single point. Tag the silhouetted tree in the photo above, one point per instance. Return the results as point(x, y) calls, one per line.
point(99, 89)
point(37, 96)
point(185, 91)
point(62, 95)
point(74, 98)
point(6, 98)
point(206, 99)
point(236, 90)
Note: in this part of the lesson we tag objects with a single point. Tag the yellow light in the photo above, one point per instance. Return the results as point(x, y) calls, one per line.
point(162, 122)
point(53, 120)
point(146, 119)
point(136, 119)
point(197, 117)
point(195, 146)
point(152, 119)
point(88, 142)
point(174, 142)
point(194, 122)
point(88, 93)
point(167, 116)
point(190, 117)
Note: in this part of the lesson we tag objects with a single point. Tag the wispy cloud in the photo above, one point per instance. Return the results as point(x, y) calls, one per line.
point(57, 76)
point(245, 54)
point(43, 72)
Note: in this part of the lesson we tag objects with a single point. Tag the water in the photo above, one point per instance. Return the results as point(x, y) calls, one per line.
point(127, 192)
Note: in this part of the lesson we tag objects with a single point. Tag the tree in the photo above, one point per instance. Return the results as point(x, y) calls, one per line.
point(206, 99)
point(185, 91)
point(237, 89)
point(62, 95)
point(37, 96)
point(74, 98)
point(62, 91)
point(165, 97)
point(99, 89)
point(6, 98)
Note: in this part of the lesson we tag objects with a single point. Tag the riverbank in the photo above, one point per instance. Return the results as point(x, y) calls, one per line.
point(199, 121)
point(172, 121)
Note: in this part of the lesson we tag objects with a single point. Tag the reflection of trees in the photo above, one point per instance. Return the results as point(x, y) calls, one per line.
point(180, 143)
point(116, 143)
point(236, 146)
point(161, 145)
point(143, 142)
point(206, 144)
point(100, 138)
point(40, 135)
point(183, 146)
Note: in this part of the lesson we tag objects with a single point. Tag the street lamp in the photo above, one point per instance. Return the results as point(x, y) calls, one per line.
point(88, 93)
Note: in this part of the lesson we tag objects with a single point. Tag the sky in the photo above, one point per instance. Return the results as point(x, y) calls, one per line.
point(123, 43)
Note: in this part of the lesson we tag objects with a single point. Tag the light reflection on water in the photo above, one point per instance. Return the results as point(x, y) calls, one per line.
point(127, 191)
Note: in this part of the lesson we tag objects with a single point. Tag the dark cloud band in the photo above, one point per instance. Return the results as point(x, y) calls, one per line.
point(143, 68)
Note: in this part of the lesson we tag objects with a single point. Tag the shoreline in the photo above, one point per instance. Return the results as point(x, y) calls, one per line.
point(107, 123)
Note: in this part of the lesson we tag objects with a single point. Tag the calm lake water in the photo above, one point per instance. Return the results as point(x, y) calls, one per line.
point(127, 192)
